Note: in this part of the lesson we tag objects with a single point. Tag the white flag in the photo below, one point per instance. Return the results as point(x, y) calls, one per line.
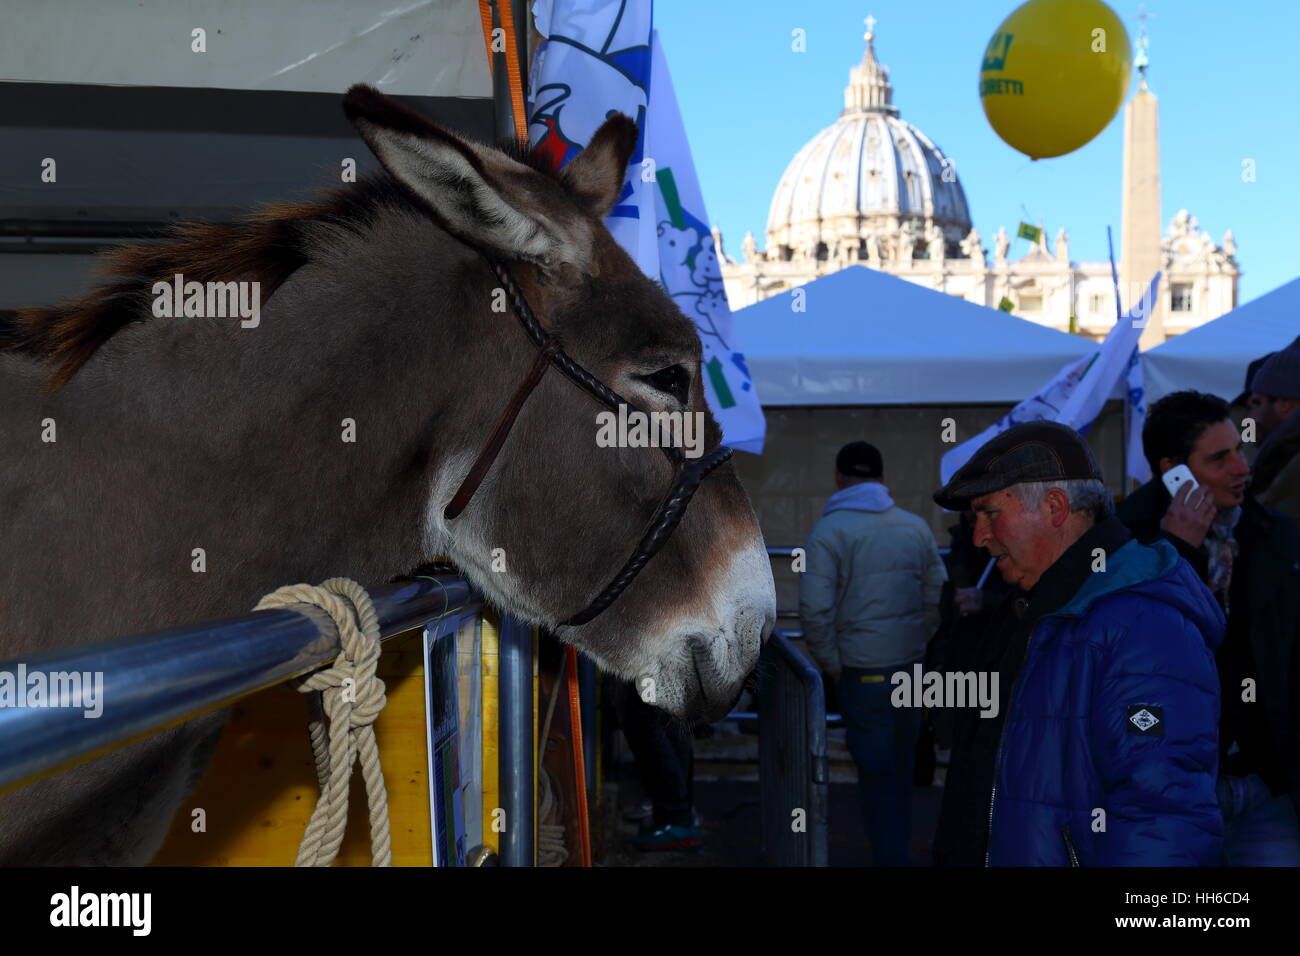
point(1135, 458)
point(690, 270)
point(1077, 393)
point(596, 58)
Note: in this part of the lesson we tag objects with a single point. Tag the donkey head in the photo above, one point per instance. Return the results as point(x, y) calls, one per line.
point(563, 507)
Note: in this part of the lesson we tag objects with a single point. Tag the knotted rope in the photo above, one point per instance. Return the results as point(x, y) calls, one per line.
point(351, 697)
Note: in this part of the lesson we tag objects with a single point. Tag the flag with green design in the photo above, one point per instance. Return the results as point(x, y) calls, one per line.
point(1032, 233)
point(689, 267)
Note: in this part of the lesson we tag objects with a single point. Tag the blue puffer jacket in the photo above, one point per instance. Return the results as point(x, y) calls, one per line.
point(1084, 777)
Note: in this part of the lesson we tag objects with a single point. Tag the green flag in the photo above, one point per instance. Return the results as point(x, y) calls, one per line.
point(1006, 305)
point(1032, 233)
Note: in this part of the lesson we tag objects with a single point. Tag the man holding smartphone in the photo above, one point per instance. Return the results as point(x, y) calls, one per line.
point(1249, 556)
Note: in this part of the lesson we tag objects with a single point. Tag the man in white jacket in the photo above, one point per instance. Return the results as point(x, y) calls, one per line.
point(869, 602)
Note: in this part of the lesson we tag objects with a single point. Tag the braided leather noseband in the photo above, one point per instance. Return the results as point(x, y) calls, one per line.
point(671, 509)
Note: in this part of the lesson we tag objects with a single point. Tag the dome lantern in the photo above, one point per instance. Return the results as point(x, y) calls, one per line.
point(869, 88)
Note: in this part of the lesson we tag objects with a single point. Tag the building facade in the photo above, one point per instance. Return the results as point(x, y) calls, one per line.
point(874, 190)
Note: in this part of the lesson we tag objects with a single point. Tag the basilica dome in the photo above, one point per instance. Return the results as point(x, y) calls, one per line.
point(869, 179)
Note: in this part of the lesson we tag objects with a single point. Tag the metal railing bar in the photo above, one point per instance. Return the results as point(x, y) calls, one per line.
point(832, 720)
point(787, 552)
point(793, 783)
point(151, 681)
point(516, 754)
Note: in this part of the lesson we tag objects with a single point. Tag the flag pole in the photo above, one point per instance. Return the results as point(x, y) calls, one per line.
point(509, 66)
point(1128, 412)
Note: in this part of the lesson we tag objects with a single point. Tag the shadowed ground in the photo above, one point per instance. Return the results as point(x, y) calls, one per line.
point(727, 795)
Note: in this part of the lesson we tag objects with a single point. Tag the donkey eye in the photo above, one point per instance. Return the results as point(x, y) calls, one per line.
point(673, 380)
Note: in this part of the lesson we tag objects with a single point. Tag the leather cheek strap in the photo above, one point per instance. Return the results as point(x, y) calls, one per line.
point(486, 457)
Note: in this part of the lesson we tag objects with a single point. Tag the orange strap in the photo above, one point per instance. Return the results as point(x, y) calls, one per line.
point(579, 758)
point(513, 73)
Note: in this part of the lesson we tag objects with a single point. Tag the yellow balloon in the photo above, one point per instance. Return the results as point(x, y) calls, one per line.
point(1054, 74)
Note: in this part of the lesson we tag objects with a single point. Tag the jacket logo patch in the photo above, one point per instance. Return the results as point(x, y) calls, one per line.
point(1146, 721)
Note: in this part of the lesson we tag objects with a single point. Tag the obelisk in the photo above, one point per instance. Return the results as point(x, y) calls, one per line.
point(1140, 256)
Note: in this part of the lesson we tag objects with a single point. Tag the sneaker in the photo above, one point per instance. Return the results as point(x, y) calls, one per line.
point(637, 813)
point(668, 838)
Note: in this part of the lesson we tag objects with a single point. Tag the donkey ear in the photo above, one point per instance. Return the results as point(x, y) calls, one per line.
point(595, 176)
point(464, 184)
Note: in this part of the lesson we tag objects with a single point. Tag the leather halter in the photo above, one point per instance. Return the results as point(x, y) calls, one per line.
point(671, 509)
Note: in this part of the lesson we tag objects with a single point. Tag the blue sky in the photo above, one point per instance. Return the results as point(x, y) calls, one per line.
point(1224, 73)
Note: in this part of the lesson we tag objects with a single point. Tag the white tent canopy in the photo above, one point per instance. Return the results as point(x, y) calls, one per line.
point(868, 338)
point(149, 125)
point(420, 48)
point(1214, 357)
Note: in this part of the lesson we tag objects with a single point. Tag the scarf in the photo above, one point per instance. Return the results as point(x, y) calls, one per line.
point(1221, 546)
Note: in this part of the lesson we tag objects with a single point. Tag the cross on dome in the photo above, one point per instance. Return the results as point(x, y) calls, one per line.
point(869, 87)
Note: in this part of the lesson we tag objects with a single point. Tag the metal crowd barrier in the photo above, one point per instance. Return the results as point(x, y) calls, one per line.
point(162, 678)
point(792, 756)
point(788, 552)
point(516, 742)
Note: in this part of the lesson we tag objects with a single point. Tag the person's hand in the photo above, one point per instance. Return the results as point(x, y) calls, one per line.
point(968, 600)
point(1190, 515)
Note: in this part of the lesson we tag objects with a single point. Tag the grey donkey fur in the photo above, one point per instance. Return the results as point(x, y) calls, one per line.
point(189, 433)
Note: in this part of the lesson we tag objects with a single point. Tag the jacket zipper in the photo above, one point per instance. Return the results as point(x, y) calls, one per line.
point(997, 760)
point(1069, 846)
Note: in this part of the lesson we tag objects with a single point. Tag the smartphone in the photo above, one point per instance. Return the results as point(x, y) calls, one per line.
point(1178, 476)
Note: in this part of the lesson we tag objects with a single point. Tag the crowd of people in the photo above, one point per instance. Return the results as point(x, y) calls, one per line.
point(1144, 656)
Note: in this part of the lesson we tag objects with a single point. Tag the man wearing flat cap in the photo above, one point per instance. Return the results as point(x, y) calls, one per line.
point(1104, 748)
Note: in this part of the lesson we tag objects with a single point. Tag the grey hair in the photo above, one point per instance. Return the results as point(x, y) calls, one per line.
point(1086, 494)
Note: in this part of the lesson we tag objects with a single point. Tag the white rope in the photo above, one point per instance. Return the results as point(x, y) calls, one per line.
point(346, 699)
point(552, 850)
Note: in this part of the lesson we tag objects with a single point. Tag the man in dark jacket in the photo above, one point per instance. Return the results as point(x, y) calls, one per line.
point(969, 599)
point(1274, 403)
point(1103, 751)
point(1249, 555)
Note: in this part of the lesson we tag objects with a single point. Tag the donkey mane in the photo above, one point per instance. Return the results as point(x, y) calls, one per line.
point(267, 245)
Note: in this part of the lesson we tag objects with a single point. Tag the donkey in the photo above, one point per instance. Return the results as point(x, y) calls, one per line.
point(327, 438)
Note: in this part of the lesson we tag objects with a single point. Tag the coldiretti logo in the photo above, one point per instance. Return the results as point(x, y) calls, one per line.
point(997, 87)
point(995, 57)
